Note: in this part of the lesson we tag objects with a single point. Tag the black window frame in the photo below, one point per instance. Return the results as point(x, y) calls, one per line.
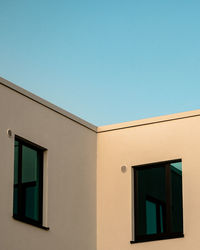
point(21, 211)
point(158, 236)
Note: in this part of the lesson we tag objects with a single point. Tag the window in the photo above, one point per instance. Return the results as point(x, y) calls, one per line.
point(28, 182)
point(158, 201)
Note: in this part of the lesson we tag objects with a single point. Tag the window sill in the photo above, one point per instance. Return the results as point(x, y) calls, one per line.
point(30, 222)
point(153, 238)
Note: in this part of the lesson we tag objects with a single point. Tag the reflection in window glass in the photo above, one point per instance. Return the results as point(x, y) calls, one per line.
point(158, 200)
point(151, 217)
point(161, 219)
point(27, 182)
point(29, 164)
point(176, 197)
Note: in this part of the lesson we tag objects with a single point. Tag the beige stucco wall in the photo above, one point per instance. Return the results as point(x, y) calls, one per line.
point(146, 142)
point(70, 176)
point(87, 199)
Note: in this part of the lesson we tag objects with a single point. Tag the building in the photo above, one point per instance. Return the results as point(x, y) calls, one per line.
point(67, 184)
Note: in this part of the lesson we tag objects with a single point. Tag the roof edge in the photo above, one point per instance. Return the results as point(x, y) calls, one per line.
point(148, 121)
point(100, 129)
point(47, 104)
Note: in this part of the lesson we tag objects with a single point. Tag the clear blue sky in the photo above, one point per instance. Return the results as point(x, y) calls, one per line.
point(106, 61)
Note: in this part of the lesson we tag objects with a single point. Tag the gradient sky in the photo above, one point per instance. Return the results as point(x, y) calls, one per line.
point(106, 61)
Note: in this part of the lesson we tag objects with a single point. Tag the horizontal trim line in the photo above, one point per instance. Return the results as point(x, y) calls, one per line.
point(148, 123)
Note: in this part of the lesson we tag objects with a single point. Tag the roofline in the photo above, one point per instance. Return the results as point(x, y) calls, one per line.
point(149, 121)
point(47, 104)
point(101, 129)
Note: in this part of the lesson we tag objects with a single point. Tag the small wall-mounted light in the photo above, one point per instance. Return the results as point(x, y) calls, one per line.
point(123, 169)
point(9, 133)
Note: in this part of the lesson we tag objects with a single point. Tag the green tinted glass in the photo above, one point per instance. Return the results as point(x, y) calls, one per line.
point(151, 217)
point(27, 182)
point(30, 181)
point(158, 200)
point(151, 196)
point(176, 197)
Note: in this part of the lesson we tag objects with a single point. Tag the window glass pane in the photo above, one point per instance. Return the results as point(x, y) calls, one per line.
point(176, 198)
point(28, 171)
point(32, 202)
point(15, 201)
point(161, 219)
point(158, 201)
point(29, 164)
point(16, 162)
point(151, 217)
point(177, 165)
point(151, 187)
point(30, 182)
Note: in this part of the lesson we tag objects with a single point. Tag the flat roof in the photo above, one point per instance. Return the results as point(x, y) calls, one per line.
point(101, 129)
point(148, 121)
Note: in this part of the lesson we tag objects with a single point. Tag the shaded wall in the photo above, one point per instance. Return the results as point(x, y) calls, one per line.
point(69, 179)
